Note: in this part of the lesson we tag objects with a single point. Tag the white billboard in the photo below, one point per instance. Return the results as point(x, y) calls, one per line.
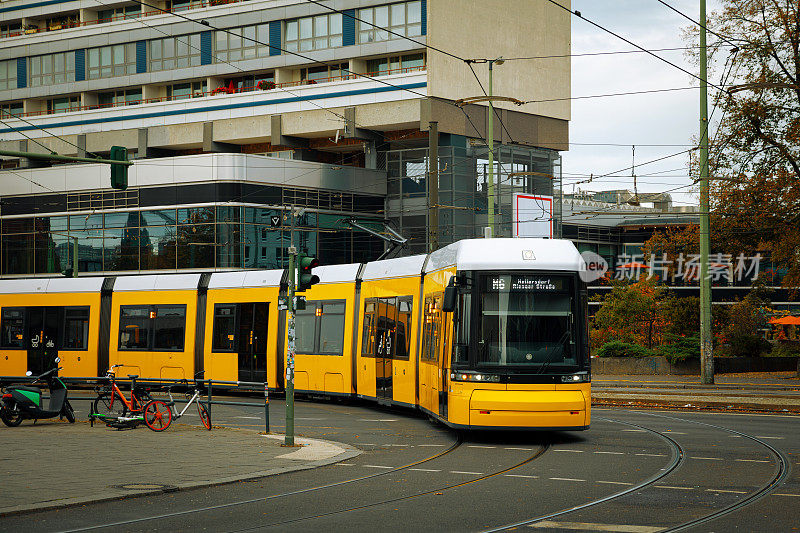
point(533, 215)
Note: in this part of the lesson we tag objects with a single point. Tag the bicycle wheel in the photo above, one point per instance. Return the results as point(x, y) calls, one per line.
point(106, 406)
point(157, 415)
point(205, 416)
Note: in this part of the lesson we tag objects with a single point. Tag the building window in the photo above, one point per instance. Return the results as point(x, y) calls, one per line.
point(236, 44)
point(76, 328)
point(52, 69)
point(108, 61)
point(12, 328)
point(314, 33)
point(12, 110)
point(12, 29)
point(121, 97)
point(324, 72)
point(404, 18)
point(249, 83)
point(119, 13)
point(152, 327)
point(319, 328)
point(179, 5)
point(224, 328)
point(396, 64)
point(175, 52)
point(8, 75)
point(179, 91)
point(64, 104)
point(62, 22)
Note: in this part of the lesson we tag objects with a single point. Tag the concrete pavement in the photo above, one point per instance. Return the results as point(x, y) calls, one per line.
point(54, 464)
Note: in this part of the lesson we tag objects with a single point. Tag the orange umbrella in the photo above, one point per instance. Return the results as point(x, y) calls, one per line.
point(786, 321)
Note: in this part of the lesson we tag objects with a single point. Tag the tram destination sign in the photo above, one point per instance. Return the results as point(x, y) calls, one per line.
point(515, 283)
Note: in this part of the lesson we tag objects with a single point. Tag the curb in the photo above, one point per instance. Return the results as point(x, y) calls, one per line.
point(694, 402)
point(121, 494)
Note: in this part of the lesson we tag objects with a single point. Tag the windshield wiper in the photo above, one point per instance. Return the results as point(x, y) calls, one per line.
point(561, 342)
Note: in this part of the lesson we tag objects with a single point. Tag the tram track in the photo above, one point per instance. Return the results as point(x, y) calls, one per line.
point(782, 471)
point(542, 449)
point(678, 457)
point(454, 446)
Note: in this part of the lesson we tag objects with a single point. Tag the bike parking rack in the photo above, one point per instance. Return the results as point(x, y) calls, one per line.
point(237, 386)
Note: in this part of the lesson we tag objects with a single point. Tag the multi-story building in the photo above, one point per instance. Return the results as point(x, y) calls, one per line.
point(235, 110)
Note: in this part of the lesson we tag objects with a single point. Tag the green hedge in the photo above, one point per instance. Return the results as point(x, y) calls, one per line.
point(623, 349)
point(680, 349)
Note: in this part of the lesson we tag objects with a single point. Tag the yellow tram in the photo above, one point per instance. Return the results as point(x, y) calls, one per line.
point(483, 333)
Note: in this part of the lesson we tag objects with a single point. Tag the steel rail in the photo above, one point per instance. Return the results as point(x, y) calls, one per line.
point(677, 459)
point(457, 443)
point(781, 472)
point(542, 449)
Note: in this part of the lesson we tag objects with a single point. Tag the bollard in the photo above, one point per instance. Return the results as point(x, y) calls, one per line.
point(208, 404)
point(266, 406)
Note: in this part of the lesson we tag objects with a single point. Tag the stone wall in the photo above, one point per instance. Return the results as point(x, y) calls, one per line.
point(660, 365)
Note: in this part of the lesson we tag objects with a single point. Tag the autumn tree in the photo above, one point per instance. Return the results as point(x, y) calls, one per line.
point(755, 147)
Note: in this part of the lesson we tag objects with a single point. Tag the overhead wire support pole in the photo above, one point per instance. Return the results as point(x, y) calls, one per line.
point(433, 186)
point(490, 144)
point(706, 347)
point(64, 158)
point(290, 352)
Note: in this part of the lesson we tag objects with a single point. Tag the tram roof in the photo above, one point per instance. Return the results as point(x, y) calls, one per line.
point(508, 254)
point(50, 285)
point(158, 282)
point(337, 273)
point(249, 278)
point(394, 268)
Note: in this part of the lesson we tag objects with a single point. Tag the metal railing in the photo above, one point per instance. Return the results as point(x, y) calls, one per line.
point(56, 26)
point(214, 92)
point(209, 384)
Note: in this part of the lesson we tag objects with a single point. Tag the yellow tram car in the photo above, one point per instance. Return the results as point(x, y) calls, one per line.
point(483, 333)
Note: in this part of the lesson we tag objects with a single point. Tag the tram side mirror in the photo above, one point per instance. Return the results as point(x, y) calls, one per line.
point(449, 301)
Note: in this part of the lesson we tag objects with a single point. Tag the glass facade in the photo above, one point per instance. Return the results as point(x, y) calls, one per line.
point(463, 170)
point(177, 238)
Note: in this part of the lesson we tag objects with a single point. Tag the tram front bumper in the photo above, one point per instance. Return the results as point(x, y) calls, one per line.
point(528, 408)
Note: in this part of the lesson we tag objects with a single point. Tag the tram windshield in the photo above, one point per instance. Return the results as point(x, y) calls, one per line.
point(526, 320)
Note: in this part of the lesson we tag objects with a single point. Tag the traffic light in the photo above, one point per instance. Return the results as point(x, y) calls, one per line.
point(305, 279)
point(119, 173)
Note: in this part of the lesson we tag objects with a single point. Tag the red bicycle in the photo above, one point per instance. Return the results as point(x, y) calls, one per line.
point(112, 407)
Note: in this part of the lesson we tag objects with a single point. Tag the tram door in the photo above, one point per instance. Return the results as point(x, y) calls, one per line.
point(42, 337)
point(386, 326)
point(253, 341)
point(444, 370)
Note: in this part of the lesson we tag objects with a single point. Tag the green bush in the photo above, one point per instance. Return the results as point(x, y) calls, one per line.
point(785, 349)
point(680, 349)
point(623, 349)
point(744, 345)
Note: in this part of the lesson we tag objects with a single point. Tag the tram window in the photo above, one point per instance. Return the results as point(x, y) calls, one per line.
point(12, 328)
point(305, 334)
point(134, 327)
point(224, 334)
point(319, 329)
point(403, 336)
point(331, 328)
point(76, 328)
point(170, 322)
point(433, 323)
point(368, 334)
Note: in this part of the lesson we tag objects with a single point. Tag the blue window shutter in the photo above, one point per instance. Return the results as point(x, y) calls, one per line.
point(424, 17)
point(275, 38)
point(349, 27)
point(80, 65)
point(206, 43)
point(22, 72)
point(141, 57)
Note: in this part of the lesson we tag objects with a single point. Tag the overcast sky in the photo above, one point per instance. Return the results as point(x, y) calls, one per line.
point(669, 118)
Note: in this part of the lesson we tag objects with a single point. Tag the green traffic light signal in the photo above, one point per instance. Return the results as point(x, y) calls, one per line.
point(119, 173)
point(305, 279)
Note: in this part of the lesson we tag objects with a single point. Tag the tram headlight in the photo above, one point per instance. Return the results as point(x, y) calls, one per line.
point(474, 377)
point(575, 378)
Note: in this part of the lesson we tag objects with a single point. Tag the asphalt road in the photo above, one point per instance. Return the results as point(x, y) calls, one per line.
point(636, 471)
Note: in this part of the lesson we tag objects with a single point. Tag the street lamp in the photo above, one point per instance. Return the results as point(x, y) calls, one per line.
point(490, 134)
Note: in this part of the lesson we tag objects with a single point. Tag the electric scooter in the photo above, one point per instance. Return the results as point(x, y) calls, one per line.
point(20, 402)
